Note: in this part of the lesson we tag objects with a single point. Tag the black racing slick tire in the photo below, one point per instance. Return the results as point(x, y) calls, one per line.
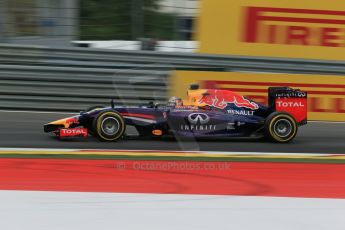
point(90, 126)
point(109, 126)
point(280, 127)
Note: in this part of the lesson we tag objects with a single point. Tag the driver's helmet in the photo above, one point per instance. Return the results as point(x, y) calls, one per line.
point(175, 101)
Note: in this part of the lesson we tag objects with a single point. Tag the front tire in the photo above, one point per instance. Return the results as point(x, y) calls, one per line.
point(109, 126)
point(280, 127)
point(90, 126)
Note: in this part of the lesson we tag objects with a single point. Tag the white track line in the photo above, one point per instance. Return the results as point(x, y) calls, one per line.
point(88, 211)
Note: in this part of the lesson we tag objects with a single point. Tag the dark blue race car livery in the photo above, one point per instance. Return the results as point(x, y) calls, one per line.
point(204, 113)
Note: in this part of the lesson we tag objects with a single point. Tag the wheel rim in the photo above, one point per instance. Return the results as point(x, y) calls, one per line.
point(110, 126)
point(283, 128)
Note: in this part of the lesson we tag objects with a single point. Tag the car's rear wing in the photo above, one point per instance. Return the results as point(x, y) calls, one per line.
point(292, 101)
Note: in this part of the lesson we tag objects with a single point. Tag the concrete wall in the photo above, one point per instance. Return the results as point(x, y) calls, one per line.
point(184, 8)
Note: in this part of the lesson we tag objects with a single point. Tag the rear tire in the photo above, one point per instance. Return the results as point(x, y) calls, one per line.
point(280, 127)
point(109, 126)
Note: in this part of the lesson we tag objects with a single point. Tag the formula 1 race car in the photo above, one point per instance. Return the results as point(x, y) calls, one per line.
point(205, 113)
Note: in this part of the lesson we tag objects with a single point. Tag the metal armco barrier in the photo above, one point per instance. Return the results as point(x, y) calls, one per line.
point(71, 79)
point(87, 57)
point(74, 89)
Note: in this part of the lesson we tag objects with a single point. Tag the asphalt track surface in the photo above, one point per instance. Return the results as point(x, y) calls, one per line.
point(25, 130)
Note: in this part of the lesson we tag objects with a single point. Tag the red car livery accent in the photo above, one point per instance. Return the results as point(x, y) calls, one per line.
point(138, 115)
point(73, 132)
point(220, 99)
point(72, 120)
point(297, 107)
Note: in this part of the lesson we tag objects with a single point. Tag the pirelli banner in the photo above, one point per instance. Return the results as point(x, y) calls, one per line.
point(276, 28)
point(326, 94)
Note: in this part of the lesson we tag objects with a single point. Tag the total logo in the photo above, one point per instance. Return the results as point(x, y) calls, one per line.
point(198, 118)
point(73, 132)
point(286, 104)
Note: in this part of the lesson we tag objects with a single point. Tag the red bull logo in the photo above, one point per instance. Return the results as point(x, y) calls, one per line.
point(221, 98)
point(72, 120)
